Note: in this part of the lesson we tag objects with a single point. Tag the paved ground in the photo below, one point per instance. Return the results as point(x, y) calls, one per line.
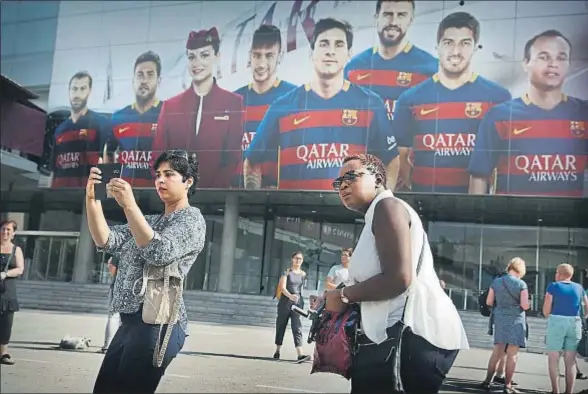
point(216, 358)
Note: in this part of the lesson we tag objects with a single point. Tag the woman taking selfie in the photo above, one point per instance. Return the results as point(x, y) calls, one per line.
point(389, 291)
point(175, 237)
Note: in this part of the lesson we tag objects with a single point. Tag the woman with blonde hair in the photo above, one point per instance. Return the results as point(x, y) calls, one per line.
point(509, 297)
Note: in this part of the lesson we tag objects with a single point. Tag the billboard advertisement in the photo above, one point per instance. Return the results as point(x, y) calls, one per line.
point(480, 97)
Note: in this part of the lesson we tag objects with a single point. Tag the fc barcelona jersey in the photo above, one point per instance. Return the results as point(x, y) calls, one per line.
point(389, 78)
point(78, 145)
point(534, 151)
point(255, 106)
point(132, 137)
point(309, 136)
point(440, 125)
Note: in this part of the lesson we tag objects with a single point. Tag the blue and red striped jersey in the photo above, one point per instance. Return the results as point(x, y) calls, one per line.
point(534, 151)
point(309, 136)
point(255, 106)
point(132, 135)
point(389, 78)
point(78, 145)
point(440, 125)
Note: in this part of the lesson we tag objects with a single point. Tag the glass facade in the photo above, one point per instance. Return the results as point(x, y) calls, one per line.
point(467, 256)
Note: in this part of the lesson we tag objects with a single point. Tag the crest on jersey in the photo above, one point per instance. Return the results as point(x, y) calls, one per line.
point(404, 79)
point(473, 110)
point(577, 128)
point(83, 132)
point(153, 128)
point(349, 117)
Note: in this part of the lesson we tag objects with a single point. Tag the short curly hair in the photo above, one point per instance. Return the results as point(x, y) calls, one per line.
point(373, 164)
point(180, 161)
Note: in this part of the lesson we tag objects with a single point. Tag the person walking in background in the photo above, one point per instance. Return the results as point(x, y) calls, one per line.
point(113, 322)
point(563, 308)
point(510, 296)
point(290, 286)
point(339, 273)
point(11, 267)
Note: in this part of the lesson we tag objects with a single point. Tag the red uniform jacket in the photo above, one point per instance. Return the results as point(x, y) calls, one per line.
point(218, 143)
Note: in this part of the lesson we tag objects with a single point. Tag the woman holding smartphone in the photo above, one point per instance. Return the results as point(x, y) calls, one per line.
point(174, 236)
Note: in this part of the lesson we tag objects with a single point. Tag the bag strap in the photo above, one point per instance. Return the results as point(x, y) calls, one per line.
point(10, 259)
point(418, 270)
point(517, 300)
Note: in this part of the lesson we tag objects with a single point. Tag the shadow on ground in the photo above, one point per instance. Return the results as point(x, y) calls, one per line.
point(455, 385)
point(240, 356)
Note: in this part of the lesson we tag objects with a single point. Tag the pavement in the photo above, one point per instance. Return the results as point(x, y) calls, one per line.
point(215, 359)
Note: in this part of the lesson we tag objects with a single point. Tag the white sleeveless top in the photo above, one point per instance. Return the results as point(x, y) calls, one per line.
point(430, 313)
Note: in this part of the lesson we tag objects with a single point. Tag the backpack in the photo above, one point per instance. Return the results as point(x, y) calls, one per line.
point(484, 309)
point(278, 292)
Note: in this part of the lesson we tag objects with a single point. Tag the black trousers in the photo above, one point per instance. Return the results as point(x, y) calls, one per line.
point(128, 364)
point(285, 314)
point(423, 369)
point(6, 319)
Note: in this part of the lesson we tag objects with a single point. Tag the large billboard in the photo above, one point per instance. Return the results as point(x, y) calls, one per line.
point(481, 97)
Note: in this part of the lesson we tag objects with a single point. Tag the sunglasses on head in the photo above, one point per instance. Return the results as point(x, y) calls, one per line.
point(349, 176)
point(180, 153)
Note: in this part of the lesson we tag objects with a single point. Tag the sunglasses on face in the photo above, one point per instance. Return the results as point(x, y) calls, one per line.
point(349, 176)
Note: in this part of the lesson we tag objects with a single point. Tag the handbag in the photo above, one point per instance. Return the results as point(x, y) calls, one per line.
point(518, 301)
point(333, 352)
point(370, 358)
point(6, 268)
point(583, 344)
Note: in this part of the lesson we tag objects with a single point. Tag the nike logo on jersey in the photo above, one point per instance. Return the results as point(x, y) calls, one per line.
point(226, 117)
point(123, 129)
point(301, 120)
point(363, 76)
point(520, 131)
point(428, 111)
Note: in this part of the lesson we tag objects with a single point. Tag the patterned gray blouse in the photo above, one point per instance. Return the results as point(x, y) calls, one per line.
point(179, 237)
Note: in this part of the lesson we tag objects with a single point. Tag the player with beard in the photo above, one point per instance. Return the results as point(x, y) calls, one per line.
point(536, 144)
point(438, 119)
point(80, 139)
point(395, 65)
point(264, 57)
point(134, 126)
point(310, 130)
point(204, 119)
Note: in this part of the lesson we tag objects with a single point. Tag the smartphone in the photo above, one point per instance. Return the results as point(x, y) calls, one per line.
point(109, 171)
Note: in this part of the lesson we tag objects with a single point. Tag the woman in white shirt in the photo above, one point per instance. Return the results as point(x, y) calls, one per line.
point(388, 289)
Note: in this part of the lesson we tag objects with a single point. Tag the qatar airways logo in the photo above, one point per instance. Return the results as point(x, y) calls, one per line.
point(448, 144)
point(317, 156)
point(65, 161)
point(246, 140)
point(135, 159)
point(548, 168)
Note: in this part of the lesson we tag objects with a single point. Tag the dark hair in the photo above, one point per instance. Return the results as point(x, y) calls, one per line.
point(297, 253)
point(9, 221)
point(181, 162)
point(266, 36)
point(348, 250)
point(372, 164)
point(149, 56)
point(459, 20)
point(330, 23)
point(379, 4)
point(81, 75)
point(552, 33)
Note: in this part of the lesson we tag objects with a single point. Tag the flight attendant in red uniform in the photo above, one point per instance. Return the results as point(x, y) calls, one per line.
point(204, 119)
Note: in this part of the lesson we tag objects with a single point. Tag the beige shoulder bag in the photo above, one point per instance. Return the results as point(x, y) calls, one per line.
point(161, 293)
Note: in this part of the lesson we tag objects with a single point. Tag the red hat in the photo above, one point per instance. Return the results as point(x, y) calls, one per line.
point(202, 38)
